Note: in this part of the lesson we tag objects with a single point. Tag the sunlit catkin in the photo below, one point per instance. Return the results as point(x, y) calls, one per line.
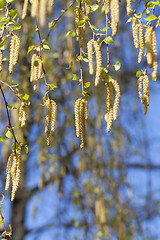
point(114, 16)
point(109, 105)
point(34, 8)
point(145, 93)
point(117, 98)
point(140, 81)
point(77, 117)
point(25, 6)
point(8, 172)
point(135, 33)
point(77, 20)
point(82, 123)
point(54, 113)
point(1, 58)
point(17, 174)
point(148, 42)
point(12, 47)
point(154, 51)
point(16, 49)
point(48, 120)
point(81, 115)
point(23, 113)
point(106, 6)
point(141, 44)
point(36, 67)
point(129, 8)
point(90, 56)
point(98, 63)
point(42, 12)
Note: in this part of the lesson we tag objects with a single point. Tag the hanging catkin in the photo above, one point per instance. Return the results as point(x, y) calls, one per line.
point(36, 67)
point(98, 63)
point(25, 6)
point(140, 81)
point(148, 42)
point(141, 44)
point(129, 8)
point(8, 172)
point(135, 33)
point(145, 93)
point(34, 8)
point(117, 98)
point(109, 105)
point(48, 121)
point(51, 112)
point(106, 6)
point(90, 56)
point(17, 174)
point(14, 51)
point(77, 20)
point(42, 12)
point(81, 115)
point(154, 57)
point(14, 171)
point(23, 113)
point(114, 16)
point(54, 113)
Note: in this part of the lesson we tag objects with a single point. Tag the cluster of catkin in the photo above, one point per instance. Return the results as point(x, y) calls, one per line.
point(110, 108)
point(79, 16)
point(36, 68)
point(150, 43)
point(14, 171)
point(51, 112)
point(100, 212)
point(90, 46)
point(23, 113)
point(144, 91)
point(39, 8)
point(14, 51)
point(81, 115)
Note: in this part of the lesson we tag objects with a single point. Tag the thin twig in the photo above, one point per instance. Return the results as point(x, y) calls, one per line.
point(9, 120)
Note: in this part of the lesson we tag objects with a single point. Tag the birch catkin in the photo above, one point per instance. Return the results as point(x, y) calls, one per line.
point(135, 33)
point(114, 16)
point(129, 8)
point(148, 42)
point(109, 105)
point(98, 63)
point(42, 12)
point(141, 44)
point(146, 93)
point(50, 6)
point(34, 8)
point(25, 6)
point(14, 171)
point(117, 98)
point(90, 56)
point(14, 51)
point(81, 115)
point(36, 68)
point(154, 57)
point(8, 172)
point(140, 81)
point(106, 6)
point(51, 112)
